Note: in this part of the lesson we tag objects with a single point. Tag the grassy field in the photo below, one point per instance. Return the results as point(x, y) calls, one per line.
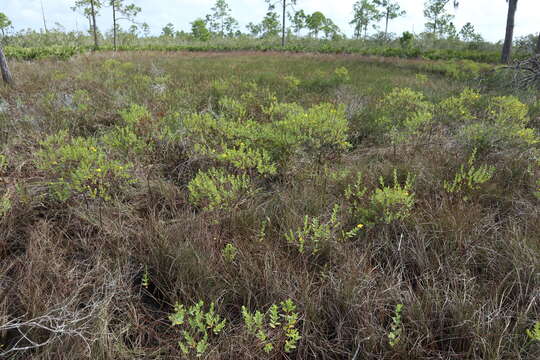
point(266, 206)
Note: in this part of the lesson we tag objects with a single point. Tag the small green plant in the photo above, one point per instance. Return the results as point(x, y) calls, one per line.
point(422, 78)
point(315, 234)
point(229, 253)
point(245, 158)
point(501, 123)
point(292, 81)
point(459, 109)
point(132, 139)
point(534, 332)
point(80, 166)
point(276, 329)
point(406, 40)
point(3, 162)
point(217, 190)
point(341, 75)
point(145, 281)
point(5, 205)
point(469, 178)
point(198, 326)
point(403, 112)
point(386, 204)
point(395, 202)
point(396, 329)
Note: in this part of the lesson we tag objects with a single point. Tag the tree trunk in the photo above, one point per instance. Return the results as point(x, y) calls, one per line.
point(114, 24)
point(94, 26)
point(386, 27)
point(507, 47)
point(283, 25)
point(6, 75)
point(44, 20)
point(538, 45)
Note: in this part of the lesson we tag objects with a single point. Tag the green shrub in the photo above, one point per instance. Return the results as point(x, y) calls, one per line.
point(316, 234)
point(469, 178)
point(229, 253)
point(317, 133)
point(276, 329)
point(132, 139)
point(198, 326)
point(384, 205)
point(391, 203)
point(402, 113)
point(341, 76)
point(394, 336)
point(80, 166)
point(217, 190)
point(459, 109)
point(534, 333)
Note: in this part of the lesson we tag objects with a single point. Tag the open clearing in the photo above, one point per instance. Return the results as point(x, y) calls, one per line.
point(389, 212)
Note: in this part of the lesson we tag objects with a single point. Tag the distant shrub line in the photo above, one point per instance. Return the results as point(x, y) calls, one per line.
point(65, 52)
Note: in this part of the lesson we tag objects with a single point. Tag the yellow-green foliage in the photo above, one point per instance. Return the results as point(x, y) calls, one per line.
point(5, 202)
point(316, 234)
point(198, 326)
point(3, 162)
point(534, 333)
point(317, 132)
point(229, 253)
point(80, 166)
point(341, 75)
point(246, 158)
point(469, 177)
point(232, 108)
point(130, 138)
point(386, 204)
point(292, 82)
point(394, 202)
point(500, 123)
point(276, 329)
point(394, 336)
point(461, 108)
point(216, 189)
point(507, 109)
point(403, 112)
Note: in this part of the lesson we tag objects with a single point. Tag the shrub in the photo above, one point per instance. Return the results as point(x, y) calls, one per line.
point(459, 109)
point(384, 205)
point(229, 253)
point(217, 190)
point(134, 137)
point(276, 329)
point(391, 203)
point(403, 112)
point(341, 75)
point(198, 326)
point(315, 234)
point(316, 133)
point(394, 336)
point(534, 333)
point(80, 166)
point(469, 178)
point(502, 125)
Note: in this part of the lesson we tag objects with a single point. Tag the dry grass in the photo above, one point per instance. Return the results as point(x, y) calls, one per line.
point(467, 272)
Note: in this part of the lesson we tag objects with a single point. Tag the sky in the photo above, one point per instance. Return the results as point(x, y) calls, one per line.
point(488, 16)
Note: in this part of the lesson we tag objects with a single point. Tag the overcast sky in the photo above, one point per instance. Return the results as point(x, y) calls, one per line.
point(488, 16)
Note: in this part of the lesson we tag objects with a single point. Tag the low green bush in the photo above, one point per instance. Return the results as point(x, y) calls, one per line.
point(275, 330)
point(198, 327)
point(81, 166)
point(216, 189)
